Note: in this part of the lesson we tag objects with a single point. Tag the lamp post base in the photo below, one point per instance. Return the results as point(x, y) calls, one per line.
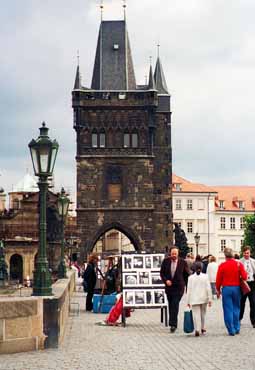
point(42, 280)
point(62, 270)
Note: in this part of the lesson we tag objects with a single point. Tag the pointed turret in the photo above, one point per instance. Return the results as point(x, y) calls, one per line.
point(160, 80)
point(151, 84)
point(113, 67)
point(77, 83)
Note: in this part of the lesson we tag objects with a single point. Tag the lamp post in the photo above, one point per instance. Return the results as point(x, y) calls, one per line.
point(63, 205)
point(197, 239)
point(43, 153)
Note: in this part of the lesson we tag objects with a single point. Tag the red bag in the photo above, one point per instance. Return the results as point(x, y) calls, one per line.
point(115, 312)
point(243, 284)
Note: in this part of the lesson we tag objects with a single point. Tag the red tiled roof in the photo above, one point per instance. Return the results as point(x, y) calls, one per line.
point(231, 195)
point(188, 186)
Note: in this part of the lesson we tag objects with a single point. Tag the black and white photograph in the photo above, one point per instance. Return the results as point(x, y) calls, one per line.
point(127, 262)
point(156, 279)
point(148, 262)
point(130, 279)
point(157, 261)
point(139, 297)
point(138, 262)
point(143, 278)
point(159, 296)
point(129, 298)
point(149, 297)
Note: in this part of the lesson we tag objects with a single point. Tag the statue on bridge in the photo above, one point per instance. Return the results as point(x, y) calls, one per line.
point(3, 265)
point(180, 240)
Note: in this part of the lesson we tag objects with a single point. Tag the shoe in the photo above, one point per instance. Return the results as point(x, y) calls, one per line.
point(231, 334)
point(253, 325)
point(203, 331)
point(172, 329)
point(197, 333)
point(237, 332)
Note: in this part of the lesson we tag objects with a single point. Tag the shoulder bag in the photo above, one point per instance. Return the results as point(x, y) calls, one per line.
point(243, 283)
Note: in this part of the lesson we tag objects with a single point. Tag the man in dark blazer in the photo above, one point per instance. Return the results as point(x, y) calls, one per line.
point(174, 273)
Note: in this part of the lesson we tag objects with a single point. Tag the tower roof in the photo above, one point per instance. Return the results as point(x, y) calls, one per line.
point(77, 83)
point(151, 84)
point(113, 67)
point(159, 77)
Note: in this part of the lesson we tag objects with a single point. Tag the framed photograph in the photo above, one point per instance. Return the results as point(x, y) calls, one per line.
point(157, 261)
point(159, 297)
point(156, 279)
point(140, 297)
point(129, 298)
point(143, 278)
point(127, 263)
point(147, 262)
point(130, 279)
point(138, 262)
point(149, 297)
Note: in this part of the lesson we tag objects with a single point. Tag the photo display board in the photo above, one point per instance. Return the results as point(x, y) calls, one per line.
point(142, 285)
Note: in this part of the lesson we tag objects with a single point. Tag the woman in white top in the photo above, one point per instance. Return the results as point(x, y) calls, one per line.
point(211, 271)
point(198, 296)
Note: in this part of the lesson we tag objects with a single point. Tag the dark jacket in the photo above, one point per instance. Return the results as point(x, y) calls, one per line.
point(180, 278)
point(89, 277)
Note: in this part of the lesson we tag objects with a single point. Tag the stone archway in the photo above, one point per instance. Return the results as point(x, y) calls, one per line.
point(16, 267)
point(129, 233)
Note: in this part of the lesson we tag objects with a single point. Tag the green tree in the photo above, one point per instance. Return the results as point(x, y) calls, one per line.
point(249, 233)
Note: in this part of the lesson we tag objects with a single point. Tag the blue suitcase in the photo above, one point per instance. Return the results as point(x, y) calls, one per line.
point(107, 302)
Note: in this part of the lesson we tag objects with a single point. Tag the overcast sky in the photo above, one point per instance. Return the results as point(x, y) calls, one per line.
point(208, 55)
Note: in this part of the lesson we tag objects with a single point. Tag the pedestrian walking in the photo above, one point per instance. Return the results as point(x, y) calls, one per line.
point(174, 273)
point(228, 284)
point(199, 295)
point(249, 265)
point(211, 271)
point(89, 280)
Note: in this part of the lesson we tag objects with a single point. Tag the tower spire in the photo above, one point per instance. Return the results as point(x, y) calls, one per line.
point(151, 84)
point(159, 77)
point(102, 9)
point(124, 9)
point(77, 83)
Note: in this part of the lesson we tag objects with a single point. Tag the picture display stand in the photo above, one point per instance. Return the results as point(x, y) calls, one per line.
point(142, 286)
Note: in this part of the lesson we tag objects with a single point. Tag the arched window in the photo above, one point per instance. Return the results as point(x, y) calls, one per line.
point(16, 204)
point(102, 139)
point(126, 140)
point(134, 140)
point(94, 139)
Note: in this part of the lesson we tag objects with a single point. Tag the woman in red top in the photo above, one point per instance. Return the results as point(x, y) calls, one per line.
point(228, 278)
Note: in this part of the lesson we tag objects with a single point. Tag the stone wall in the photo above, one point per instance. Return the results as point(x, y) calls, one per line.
point(32, 323)
point(21, 324)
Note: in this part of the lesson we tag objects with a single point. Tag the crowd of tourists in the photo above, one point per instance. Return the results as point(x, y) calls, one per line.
point(203, 280)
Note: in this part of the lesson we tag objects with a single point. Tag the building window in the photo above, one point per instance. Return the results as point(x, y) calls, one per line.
point(190, 227)
point(241, 243)
point(134, 140)
point(221, 204)
point(102, 140)
point(130, 140)
point(222, 245)
point(126, 140)
point(223, 223)
point(114, 183)
point(189, 204)
point(242, 223)
point(178, 204)
point(201, 204)
point(241, 204)
point(232, 223)
point(94, 140)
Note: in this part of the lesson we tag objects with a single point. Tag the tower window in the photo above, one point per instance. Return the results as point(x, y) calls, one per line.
point(102, 140)
point(94, 140)
point(126, 140)
point(134, 140)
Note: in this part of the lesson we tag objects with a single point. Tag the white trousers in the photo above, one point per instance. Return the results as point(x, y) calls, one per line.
point(199, 312)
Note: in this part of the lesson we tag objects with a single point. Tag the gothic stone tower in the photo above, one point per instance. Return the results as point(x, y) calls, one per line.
point(123, 148)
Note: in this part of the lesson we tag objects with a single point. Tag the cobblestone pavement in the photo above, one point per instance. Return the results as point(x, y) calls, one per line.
point(145, 344)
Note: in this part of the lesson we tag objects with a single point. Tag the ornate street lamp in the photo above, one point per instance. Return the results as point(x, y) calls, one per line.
point(43, 153)
point(63, 205)
point(197, 240)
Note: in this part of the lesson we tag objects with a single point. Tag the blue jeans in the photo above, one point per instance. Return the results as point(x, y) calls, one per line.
point(231, 296)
